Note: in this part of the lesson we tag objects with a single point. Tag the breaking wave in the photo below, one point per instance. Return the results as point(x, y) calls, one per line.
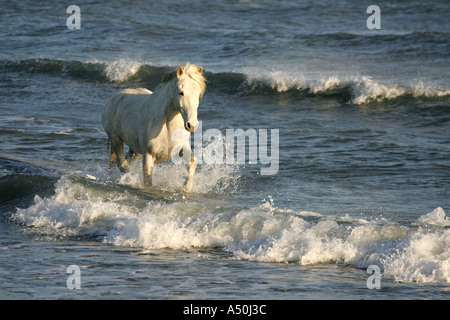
point(358, 89)
point(125, 215)
point(351, 89)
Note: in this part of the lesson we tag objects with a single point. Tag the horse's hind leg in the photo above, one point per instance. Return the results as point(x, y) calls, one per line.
point(132, 157)
point(112, 159)
point(117, 153)
point(112, 155)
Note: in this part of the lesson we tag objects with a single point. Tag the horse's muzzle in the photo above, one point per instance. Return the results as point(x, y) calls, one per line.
point(191, 126)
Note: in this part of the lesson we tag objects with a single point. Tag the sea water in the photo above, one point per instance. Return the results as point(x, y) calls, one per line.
point(357, 208)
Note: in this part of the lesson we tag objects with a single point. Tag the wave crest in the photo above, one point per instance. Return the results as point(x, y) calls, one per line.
point(122, 70)
point(349, 89)
point(125, 216)
point(357, 89)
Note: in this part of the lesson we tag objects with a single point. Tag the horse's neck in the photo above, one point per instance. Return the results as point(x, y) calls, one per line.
point(160, 104)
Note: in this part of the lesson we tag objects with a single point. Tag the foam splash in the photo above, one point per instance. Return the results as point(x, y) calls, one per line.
point(362, 89)
point(419, 252)
point(366, 90)
point(435, 218)
point(423, 257)
point(122, 69)
point(168, 177)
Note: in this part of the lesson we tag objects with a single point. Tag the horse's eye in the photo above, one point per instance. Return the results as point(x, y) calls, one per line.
point(181, 93)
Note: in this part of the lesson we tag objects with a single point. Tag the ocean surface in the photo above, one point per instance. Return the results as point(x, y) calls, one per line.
point(357, 208)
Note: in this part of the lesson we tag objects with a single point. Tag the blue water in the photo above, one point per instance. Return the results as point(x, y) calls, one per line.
point(364, 147)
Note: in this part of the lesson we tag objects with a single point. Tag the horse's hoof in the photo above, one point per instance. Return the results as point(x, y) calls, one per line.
point(124, 170)
point(187, 187)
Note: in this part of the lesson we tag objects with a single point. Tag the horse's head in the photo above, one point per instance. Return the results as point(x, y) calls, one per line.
point(190, 86)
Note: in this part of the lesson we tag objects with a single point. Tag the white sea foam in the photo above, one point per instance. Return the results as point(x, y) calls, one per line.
point(366, 90)
point(208, 178)
point(423, 257)
point(362, 88)
point(64, 132)
point(435, 218)
point(418, 252)
point(122, 69)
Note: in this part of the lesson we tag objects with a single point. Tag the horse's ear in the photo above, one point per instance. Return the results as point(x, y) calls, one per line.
point(180, 71)
point(200, 70)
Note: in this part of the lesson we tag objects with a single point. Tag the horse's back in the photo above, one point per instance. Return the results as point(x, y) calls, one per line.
point(127, 98)
point(123, 111)
point(136, 91)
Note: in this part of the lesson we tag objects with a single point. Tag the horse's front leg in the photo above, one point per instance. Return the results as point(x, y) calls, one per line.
point(192, 165)
point(148, 163)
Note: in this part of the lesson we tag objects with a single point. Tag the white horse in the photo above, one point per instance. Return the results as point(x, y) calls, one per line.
point(148, 122)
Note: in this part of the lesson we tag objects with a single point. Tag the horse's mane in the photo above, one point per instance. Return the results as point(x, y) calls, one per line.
point(194, 72)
